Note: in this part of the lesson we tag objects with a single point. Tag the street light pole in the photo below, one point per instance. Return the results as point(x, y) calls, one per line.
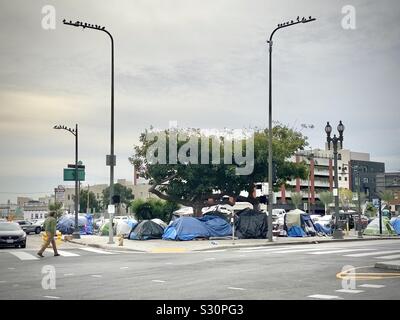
point(270, 190)
point(76, 233)
point(337, 233)
point(110, 159)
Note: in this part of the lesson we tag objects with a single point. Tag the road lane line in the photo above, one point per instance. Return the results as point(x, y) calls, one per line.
point(209, 251)
point(68, 274)
point(159, 281)
point(323, 296)
point(208, 259)
point(349, 291)
point(122, 268)
point(236, 288)
point(51, 297)
point(376, 286)
point(67, 253)
point(96, 275)
point(96, 250)
point(366, 254)
point(393, 256)
point(338, 251)
point(24, 255)
point(297, 250)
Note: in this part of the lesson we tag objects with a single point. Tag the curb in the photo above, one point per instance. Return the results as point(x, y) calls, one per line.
point(238, 245)
point(388, 265)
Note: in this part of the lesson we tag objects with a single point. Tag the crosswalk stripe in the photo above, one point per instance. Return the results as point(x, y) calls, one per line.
point(366, 254)
point(269, 249)
point(349, 291)
point(67, 253)
point(297, 250)
point(375, 286)
point(393, 256)
point(338, 251)
point(96, 250)
point(262, 248)
point(24, 255)
point(323, 296)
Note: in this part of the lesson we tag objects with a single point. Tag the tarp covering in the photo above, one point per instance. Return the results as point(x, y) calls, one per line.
point(186, 228)
point(298, 218)
point(296, 231)
point(373, 227)
point(251, 224)
point(321, 229)
point(217, 226)
point(66, 224)
point(146, 230)
point(395, 222)
point(159, 222)
point(125, 227)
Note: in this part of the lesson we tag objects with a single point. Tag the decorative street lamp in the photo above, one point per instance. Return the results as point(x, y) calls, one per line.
point(110, 159)
point(76, 233)
point(270, 191)
point(356, 170)
point(337, 233)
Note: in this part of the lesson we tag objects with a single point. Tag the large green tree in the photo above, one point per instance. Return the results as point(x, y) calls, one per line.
point(94, 205)
point(125, 193)
point(153, 208)
point(326, 198)
point(193, 184)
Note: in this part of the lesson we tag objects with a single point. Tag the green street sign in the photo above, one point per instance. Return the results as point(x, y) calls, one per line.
point(69, 174)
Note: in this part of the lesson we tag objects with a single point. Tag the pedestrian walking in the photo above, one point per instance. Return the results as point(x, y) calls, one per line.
point(50, 230)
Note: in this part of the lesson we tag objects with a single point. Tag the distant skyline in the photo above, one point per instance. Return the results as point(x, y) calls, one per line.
point(203, 64)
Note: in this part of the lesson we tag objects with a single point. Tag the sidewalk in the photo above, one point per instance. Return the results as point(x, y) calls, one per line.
point(390, 265)
point(165, 246)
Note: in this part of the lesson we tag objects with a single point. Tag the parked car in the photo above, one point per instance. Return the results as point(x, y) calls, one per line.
point(11, 234)
point(29, 227)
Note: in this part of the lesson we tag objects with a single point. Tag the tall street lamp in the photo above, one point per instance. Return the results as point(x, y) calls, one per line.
point(270, 191)
point(110, 159)
point(76, 233)
point(359, 225)
point(337, 233)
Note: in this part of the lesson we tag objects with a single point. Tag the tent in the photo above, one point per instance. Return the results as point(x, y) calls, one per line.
point(146, 230)
point(296, 220)
point(124, 227)
point(395, 222)
point(159, 222)
point(186, 228)
point(373, 228)
point(66, 224)
point(222, 215)
point(217, 226)
point(251, 224)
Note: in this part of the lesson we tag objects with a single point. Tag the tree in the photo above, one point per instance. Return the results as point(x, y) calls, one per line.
point(387, 196)
point(153, 208)
point(194, 184)
point(126, 195)
point(94, 205)
point(370, 210)
point(346, 198)
point(326, 198)
point(297, 199)
point(57, 208)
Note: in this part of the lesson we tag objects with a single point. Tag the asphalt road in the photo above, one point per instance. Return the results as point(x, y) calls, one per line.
point(283, 272)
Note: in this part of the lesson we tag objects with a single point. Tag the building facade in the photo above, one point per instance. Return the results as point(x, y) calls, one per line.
point(390, 181)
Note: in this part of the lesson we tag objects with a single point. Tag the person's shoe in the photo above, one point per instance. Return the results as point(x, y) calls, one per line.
point(40, 255)
point(56, 255)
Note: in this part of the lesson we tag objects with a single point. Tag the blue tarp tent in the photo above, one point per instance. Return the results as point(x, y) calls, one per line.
point(89, 225)
point(321, 229)
point(66, 224)
point(216, 225)
point(186, 228)
point(395, 222)
point(296, 231)
point(298, 218)
point(146, 230)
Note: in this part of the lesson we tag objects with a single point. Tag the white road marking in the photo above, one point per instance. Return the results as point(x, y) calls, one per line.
point(235, 288)
point(349, 291)
point(124, 268)
point(323, 296)
point(160, 281)
point(208, 259)
point(338, 251)
point(68, 274)
point(3, 281)
point(51, 297)
point(97, 275)
point(366, 254)
point(11, 268)
point(24, 255)
point(168, 263)
point(96, 250)
point(208, 251)
point(262, 248)
point(377, 286)
point(297, 250)
point(67, 253)
point(393, 256)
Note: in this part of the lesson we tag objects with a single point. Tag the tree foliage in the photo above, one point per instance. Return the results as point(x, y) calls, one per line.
point(192, 184)
point(125, 194)
point(345, 198)
point(326, 198)
point(153, 208)
point(94, 205)
point(57, 208)
point(297, 199)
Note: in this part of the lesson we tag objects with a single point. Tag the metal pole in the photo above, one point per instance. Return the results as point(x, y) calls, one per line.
point(337, 233)
point(88, 199)
point(359, 205)
point(76, 233)
point(111, 231)
point(380, 216)
point(270, 190)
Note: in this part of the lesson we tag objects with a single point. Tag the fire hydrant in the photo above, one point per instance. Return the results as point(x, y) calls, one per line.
point(120, 240)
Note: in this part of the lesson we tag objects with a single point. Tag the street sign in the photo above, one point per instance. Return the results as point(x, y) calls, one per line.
point(80, 166)
point(375, 203)
point(60, 194)
point(111, 209)
point(69, 174)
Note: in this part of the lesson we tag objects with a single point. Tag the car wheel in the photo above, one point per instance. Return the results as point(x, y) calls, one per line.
point(38, 230)
point(23, 245)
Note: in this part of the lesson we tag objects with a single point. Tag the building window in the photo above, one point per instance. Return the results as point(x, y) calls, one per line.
point(31, 215)
point(69, 197)
point(365, 180)
point(345, 178)
point(340, 178)
point(340, 168)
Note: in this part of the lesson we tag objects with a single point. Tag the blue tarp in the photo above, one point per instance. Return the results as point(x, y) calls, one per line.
point(186, 228)
point(321, 229)
point(296, 231)
point(89, 225)
point(395, 222)
point(66, 224)
point(217, 226)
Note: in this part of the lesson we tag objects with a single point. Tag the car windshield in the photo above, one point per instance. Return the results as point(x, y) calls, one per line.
point(8, 226)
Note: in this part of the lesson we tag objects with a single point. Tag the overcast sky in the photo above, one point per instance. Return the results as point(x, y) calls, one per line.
point(202, 63)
